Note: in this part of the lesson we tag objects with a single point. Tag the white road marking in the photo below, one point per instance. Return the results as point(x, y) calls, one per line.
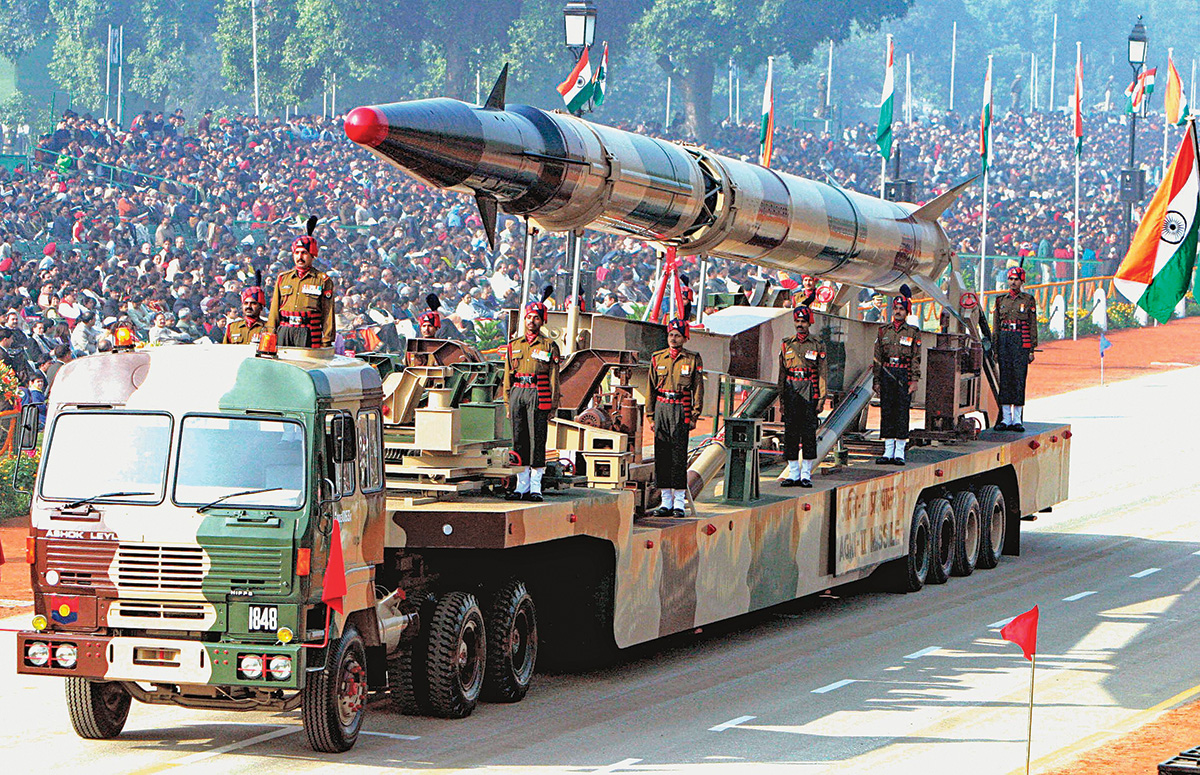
point(264, 737)
point(616, 766)
point(731, 723)
point(391, 735)
point(1078, 596)
point(1001, 623)
point(922, 652)
point(1144, 573)
point(835, 685)
point(1197, 553)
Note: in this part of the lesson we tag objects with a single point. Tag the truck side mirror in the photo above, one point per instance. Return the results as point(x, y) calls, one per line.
point(27, 439)
point(341, 441)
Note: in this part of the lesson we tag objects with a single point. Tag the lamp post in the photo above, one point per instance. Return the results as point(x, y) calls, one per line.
point(1133, 179)
point(579, 28)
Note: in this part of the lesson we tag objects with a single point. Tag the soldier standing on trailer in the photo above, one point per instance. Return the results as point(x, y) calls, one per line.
point(802, 374)
point(897, 371)
point(250, 328)
point(674, 405)
point(531, 390)
point(428, 324)
point(1014, 324)
point(302, 302)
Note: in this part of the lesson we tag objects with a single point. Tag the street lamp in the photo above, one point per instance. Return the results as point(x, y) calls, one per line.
point(579, 17)
point(1133, 180)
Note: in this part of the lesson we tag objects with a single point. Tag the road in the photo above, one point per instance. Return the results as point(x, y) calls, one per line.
point(862, 682)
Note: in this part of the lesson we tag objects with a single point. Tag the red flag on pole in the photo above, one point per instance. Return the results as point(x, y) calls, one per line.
point(1023, 632)
point(333, 586)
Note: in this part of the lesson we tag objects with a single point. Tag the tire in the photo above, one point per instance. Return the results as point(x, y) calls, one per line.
point(456, 656)
point(914, 568)
point(512, 642)
point(942, 535)
point(405, 671)
point(98, 709)
point(993, 525)
point(966, 532)
point(335, 697)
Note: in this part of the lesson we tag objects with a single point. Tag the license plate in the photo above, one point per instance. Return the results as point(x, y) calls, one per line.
point(263, 618)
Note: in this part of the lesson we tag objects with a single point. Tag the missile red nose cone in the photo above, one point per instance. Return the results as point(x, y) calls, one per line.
point(366, 126)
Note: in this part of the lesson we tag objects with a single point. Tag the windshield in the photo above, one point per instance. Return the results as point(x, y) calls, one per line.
point(94, 453)
point(241, 462)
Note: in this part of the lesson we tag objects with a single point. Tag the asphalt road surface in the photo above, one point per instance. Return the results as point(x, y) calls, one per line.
point(862, 682)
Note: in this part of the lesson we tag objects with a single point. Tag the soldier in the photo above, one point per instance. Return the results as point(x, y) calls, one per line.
point(1014, 324)
point(802, 373)
point(428, 324)
point(897, 371)
point(531, 390)
point(676, 395)
point(249, 329)
point(302, 302)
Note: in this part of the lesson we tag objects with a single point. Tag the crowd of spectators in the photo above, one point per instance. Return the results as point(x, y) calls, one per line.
point(160, 224)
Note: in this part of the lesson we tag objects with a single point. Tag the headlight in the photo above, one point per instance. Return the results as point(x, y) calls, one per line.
point(252, 666)
point(281, 668)
point(38, 654)
point(66, 655)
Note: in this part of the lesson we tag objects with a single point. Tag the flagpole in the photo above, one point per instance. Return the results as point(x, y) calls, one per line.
point(1170, 59)
point(1032, 82)
point(1192, 101)
point(954, 58)
point(667, 122)
point(701, 297)
point(983, 239)
point(1078, 153)
point(731, 90)
point(1029, 737)
point(829, 85)
point(1053, 60)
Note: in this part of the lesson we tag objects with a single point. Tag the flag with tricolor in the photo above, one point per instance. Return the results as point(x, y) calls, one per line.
point(333, 586)
point(883, 136)
point(1175, 101)
point(766, 130)
point(1148, 81)
point(1141, 88)
point(600, 82)
point(985, 120)
point(1078, 103)
point(577, 89)
point(1158, 268)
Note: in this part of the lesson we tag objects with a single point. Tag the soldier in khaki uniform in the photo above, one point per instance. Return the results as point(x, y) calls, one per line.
point(1014, 324)
point(802, 374)
point(302, 302)
point(429, 324)
point(249, 329)
point(676, 396)
point(897, 371)
point(531, 390)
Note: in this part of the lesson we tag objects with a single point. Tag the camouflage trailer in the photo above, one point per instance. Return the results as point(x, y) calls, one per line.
point(217, 528)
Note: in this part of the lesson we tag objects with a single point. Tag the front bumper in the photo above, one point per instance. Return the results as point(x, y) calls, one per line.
point(159, 660)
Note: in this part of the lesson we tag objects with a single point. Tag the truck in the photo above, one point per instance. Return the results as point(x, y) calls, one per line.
point(240, 528)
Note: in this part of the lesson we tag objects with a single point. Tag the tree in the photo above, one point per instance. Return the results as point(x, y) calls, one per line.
point(695, 35)
point(78, 53)
point(280, 67)
point(23, 24)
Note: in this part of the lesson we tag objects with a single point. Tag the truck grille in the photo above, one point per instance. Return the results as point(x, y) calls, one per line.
point(80, 563)
point(145, 566)
point(246, 567)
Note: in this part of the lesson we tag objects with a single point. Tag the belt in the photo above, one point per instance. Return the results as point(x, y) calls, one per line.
point(525, 380)
point(800, 373)
point(673, 397)
point(901, 363)
point(1010, 325)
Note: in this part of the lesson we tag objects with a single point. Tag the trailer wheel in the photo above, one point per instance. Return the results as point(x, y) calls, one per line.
point(405, 671)
point(966, 533)
point(993, 519)
point(454, 663)
point(511, 644)
point(335, 697)
point(914, 569)
point(942, 540)
point(98, 709)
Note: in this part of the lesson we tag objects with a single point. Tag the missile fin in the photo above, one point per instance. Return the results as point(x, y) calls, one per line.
point(495, 100)
point(487, 213)
point(932, 210)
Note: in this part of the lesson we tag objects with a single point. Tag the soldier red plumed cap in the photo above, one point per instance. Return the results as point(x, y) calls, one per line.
point(308, 243)
point(538, 307)
point(680, 325)
point(432, 318)
point(802, 312)
point(902, 301)
point(1017, 272)
point(254, 293)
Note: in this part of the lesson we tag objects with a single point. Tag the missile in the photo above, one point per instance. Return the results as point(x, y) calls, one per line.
point(568, 174)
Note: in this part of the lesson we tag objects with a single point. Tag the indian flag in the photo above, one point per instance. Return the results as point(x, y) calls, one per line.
point(766, 130)
point(883, 136)
point(1156, 271)
point(577, 89)
point(1148, 80)
point(985, 119)
point(1175, 101)
point(1078, 102)
point(600, 82)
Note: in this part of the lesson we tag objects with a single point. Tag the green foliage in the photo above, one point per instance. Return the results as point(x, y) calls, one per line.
point(25, 24)
point(1121, 315)
point(12, 502)
point(489, 334)
point(16, 108)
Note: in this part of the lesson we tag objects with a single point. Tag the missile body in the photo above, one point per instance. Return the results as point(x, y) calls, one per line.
point(569, 174)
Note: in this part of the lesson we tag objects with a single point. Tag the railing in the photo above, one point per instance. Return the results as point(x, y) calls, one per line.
point(8, 426)
point(929, 312)
point(120, 176)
